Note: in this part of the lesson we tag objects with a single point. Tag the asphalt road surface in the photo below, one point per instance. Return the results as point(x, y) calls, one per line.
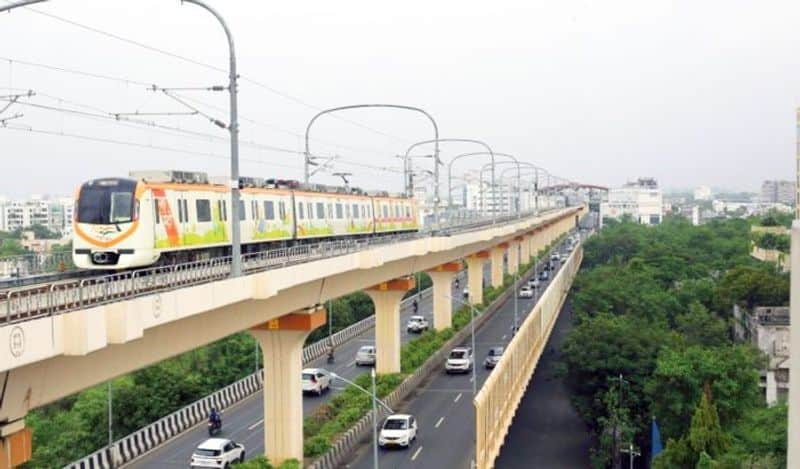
point(244, 422)
point(443, 407)
point(547, 432)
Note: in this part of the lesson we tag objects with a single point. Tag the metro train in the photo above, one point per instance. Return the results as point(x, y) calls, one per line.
point(165, 217)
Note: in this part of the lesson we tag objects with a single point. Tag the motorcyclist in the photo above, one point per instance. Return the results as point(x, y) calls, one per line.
point(330, 353)
point(214, 418)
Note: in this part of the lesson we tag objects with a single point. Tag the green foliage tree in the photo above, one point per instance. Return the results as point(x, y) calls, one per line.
point(675, 384)
point(699, 326)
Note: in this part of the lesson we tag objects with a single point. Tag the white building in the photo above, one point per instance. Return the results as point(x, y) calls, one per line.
point(54, 214)
point(702, 193)
point(642, 200)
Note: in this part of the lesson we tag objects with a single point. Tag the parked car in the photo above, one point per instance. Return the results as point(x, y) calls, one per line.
point(417, 324)
point(493, 357)
point(459, 361)
point(544, 275)
point(365, 355)
point(217, 452)
point(398, 430)
point(526, 292)
point(316, 380)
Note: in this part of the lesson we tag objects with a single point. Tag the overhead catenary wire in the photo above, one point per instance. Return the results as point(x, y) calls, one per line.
point(172, 94)
point(198, 63)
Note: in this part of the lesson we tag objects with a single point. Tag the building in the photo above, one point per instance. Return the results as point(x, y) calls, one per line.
point(702, 193)
point(54, 214)
point(642, 200)
point(769, 329)
point(783, 192)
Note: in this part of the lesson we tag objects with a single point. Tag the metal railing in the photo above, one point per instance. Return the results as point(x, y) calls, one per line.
point(24, 303)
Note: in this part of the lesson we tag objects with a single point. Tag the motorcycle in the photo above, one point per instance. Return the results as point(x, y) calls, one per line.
point(214, 428)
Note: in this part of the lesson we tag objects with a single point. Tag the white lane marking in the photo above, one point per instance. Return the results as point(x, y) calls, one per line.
point(503, 338)
point(352, 363)
point(255, 424)
point(416, 453)
point(457, 398)
point(439, 422)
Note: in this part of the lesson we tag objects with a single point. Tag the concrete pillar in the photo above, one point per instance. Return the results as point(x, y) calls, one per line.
point(525, 249)
point(442, 277)
point(386, 297)
point(513, 255)
point(475, 276)
point(497, 264)
point(281, 343)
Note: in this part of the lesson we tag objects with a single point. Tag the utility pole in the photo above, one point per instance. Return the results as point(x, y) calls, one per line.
point(616, 455)
point(631, 452)
point(374, 420)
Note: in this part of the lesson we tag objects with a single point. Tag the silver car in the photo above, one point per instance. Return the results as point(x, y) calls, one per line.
point(365, 355)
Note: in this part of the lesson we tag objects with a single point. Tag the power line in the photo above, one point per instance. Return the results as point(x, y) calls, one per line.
point(136, 144)
point(198, 63)
point(149, 86)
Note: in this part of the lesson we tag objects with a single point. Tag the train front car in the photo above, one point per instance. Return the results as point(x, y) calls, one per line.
point(108, 231)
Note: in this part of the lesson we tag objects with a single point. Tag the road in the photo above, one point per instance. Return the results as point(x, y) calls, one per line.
point(444, 407)
point(547, 432)
point(243, 422)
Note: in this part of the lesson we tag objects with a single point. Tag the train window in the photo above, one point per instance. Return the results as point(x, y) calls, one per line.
point(203, 207)
point(310, 210)
point(385, 211)
point(156, 212)
point(269, 210)
point(355, 211)
point(363, 212)
point(397, 211)
point(254, 209)
point(369, 211)
point(181, 216)
point(347, 211)
point(225, 210)
point(282, 210)
point(300, 211)
point(330, 211)
point(320, 210)
point(242, 214)
point(339, 211)
point(408, 211)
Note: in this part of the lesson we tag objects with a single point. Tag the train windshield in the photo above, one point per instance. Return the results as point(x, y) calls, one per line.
point(106, 201)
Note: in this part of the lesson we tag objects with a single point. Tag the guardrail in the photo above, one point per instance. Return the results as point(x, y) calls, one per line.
point(152, 436)
point(499, 397)
point(25, 303)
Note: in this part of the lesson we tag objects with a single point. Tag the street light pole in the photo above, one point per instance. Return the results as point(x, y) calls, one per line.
point(374, 420)
point(375, 402)
point(110, 420)
point(233, 128)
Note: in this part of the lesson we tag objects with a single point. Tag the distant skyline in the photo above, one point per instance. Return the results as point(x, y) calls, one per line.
point(691, 93)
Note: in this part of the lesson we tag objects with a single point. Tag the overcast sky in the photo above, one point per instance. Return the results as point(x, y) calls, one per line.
point(689, 92)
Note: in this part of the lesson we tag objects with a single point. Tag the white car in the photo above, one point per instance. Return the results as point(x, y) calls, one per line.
point(398, 430)
point(459, 361)
point(365, 355)
point(316, 380)
point(534, 282)
point(555, 257)
point(526, 292)
point(417, 324)
point(217, 452)
point(466, 292)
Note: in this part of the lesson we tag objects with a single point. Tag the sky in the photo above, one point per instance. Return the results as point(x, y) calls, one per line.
point(689, 92)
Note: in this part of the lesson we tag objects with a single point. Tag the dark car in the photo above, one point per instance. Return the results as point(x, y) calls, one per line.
point(493, 357)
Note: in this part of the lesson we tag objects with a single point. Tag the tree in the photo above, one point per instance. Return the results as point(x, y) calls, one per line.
point(706, 435)
point(700, 327)
point(752, 286)
point(605, 346)
point(675, 384)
